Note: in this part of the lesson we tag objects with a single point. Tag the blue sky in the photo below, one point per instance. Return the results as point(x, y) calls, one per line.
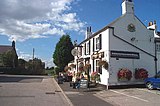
point(40, 23)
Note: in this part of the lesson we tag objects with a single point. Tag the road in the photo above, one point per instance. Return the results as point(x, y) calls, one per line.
point(19, 90)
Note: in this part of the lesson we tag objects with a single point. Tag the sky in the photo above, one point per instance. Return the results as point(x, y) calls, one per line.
point(39, 24)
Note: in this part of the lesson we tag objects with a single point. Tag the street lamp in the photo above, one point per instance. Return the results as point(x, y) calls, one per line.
point(88, 76)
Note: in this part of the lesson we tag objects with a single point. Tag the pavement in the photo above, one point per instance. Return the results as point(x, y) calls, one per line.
point(84, 96)
point(133, 95)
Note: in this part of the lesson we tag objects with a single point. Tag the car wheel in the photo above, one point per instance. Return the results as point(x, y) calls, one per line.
point(149, 85)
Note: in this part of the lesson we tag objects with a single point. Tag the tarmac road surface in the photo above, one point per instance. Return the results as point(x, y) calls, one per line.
point(20, 90)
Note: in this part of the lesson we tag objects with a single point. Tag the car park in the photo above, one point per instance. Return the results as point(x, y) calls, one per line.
point(153, 82)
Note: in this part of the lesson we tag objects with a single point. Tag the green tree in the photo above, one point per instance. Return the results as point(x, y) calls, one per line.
point(62, 54)
point(10, 59)
point(35, 66)
point(21, 63)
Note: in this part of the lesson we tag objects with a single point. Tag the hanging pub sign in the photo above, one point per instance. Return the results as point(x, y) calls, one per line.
point(80, 60)
point(97, 55)
point(124, 54)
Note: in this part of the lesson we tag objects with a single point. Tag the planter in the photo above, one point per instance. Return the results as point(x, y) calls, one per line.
point(95, 76)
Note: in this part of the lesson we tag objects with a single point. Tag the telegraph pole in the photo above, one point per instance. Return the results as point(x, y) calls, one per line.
point(33, 59)
point(33, 53)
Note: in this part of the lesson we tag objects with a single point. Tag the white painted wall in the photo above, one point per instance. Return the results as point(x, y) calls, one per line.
point(105, 49)
point(142, 41)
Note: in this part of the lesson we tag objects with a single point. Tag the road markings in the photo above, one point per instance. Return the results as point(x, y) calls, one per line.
point(146, 90)
point(68, 92)
point(130, 96)
point(151, 91)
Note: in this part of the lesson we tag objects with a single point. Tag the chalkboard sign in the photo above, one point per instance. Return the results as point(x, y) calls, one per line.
point(83, 83)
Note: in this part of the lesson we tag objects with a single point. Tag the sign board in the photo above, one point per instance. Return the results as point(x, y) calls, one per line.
point(124, 54)
point(74, 52)
point(83, 83)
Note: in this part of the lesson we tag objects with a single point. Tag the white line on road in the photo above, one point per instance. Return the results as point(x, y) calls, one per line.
point(151, 91)
point(130, 96)
point(146, 90)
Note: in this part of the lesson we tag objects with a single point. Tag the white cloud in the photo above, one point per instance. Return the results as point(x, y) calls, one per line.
point(49, 63)
point(55, 31)
point(25, 56)
point(25, 19)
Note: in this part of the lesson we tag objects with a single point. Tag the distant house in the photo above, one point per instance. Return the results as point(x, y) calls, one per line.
point(8, 56)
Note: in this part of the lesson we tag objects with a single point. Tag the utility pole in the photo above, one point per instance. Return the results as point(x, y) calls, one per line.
point(33, 60)
point(33, 53)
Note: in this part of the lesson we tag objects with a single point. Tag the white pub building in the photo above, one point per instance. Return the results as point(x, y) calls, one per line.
point(125, 44)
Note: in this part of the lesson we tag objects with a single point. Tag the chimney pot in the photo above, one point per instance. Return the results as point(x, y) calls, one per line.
point(154, 21)
point(150, 23)
point(90, 29)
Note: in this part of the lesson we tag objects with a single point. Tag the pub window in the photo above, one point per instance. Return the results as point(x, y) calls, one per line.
point(88, 47)
point(98, 68)
point(84, 49)
point(97, 43)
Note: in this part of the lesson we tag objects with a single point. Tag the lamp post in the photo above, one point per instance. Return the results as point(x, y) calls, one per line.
point(88, 80)
point(88, 76)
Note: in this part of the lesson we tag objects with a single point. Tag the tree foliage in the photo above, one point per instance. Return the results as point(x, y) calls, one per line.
point(35, 66)
point(62, 54)
point(21, 63)
point(10, 59)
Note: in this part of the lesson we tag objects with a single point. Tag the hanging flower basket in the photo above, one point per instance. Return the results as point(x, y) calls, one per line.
point(141, 73)
point(95, 76)
point(81, 67)
point(124, 74)
point(103, 63)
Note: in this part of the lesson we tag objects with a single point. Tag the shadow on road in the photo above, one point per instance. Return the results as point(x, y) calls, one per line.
point(20, 79)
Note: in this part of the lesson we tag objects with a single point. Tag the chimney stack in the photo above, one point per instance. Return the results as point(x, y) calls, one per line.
point(127, 7)
point(13, 44)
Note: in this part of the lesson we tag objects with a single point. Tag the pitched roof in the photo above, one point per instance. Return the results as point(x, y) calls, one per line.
point(5, 48)
point(103, 29)
point(109, 26)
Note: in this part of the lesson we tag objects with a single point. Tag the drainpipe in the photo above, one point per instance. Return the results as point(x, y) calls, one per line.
point(155, 58)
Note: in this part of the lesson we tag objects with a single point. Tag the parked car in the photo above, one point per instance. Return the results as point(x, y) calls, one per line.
point(153, 82)
point(60, 79)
